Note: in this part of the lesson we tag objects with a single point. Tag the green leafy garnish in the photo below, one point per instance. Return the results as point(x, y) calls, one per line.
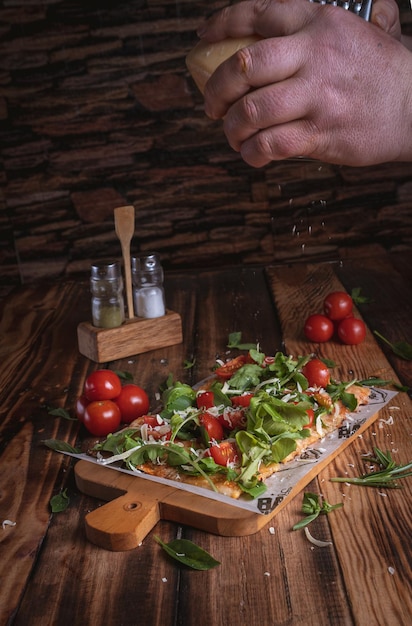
point(59, 412)
point(60, 446)
point(402, 349)
point(60, 502)
point(313, 505)
point(188, 553)
point(235, 342)
point(124, 375)
point(357, 298)
point(386, 476)
point(187, 365)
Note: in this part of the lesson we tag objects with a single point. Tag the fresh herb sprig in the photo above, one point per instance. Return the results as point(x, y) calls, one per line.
point(386, 477)
point(313, 505)
point(403, 349)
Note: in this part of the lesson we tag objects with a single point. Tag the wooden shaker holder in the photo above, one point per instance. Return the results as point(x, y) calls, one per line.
point(134, 336)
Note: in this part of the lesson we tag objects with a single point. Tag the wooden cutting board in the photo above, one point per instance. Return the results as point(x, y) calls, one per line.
point(136, 504)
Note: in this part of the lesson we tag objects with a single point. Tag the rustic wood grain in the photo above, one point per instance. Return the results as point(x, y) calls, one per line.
point(54, 575)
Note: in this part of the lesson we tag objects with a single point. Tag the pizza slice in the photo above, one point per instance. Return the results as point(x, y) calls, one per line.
point(237, 428)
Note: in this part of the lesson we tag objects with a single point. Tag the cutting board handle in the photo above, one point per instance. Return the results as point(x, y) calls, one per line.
point(132, 510)
point(123, 523)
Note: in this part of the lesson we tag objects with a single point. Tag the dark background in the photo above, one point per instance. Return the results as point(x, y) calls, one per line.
point(97, 110)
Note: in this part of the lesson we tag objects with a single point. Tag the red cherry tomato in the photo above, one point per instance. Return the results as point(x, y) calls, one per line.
point(102, 417)
point(102, 385)
point(352, 331)
point(211, 427)
point(81, 404)
point(227, 370)
point(318, 328)
point(338, 305)
point(150, 420)
point(243, 400)
point(224, 453)
point(133, 402)
point(311, 416)
point(233, 417)
point(317, 373)
point(205, 400)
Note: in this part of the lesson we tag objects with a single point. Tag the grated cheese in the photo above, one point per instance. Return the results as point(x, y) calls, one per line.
point(316, 542)
point(7, 522)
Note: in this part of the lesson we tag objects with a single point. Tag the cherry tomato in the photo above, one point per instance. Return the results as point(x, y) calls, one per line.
point(338, 305)
point(317, 373)
point(102, 417)
point(81, 404)
point(133, 402)
point(243, 400)
point(311, 416)
point(102, 385)
point(150, 420)
point(227, 370)
point(318, 328)
point(205, 400)
point(352, 331)
point(233, 417)
point(211, 427)
point(224, 453)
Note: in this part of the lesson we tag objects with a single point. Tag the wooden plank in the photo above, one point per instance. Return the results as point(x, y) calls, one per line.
point(381, 529)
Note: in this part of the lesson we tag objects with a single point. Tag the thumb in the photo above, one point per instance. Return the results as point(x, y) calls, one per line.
point(385, 15)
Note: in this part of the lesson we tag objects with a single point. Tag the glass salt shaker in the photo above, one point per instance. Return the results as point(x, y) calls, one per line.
point(106, 286)
point(148, 292)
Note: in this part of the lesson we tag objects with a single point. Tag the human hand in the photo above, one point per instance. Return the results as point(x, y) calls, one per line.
point(322, 83)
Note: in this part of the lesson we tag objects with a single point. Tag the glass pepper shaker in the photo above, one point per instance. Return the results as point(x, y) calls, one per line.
point(148, 292)
point(106, 286)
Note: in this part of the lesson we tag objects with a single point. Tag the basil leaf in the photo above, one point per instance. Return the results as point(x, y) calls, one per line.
point(124, 375)
point(358, 298)
point(60, 502)
point(60, 446)
point(188, 553)
point(62, 413)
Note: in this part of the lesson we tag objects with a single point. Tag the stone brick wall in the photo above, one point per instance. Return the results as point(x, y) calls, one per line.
point(97, 110)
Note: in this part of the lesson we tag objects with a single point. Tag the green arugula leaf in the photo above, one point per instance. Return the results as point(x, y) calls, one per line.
point(60, 502)
point(400, 348)
point(188, 553)
point(313, 505)
point(247, 376)
point(235, 342)
point(187, 365)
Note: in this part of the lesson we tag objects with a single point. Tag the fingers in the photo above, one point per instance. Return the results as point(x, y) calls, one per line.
point(263, 63)
point(385, 14)
point(296, 139)
point(267, 18)
point(265, 108)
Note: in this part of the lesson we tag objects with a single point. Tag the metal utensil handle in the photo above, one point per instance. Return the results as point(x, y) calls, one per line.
point(363, 8)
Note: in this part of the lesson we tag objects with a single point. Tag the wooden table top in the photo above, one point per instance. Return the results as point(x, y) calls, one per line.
point(51, 574)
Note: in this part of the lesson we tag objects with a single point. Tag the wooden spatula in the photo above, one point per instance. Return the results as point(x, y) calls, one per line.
point(124, 226)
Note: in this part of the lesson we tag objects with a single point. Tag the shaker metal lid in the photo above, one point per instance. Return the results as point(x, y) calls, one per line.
point(107, 270)
point(146, 263)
